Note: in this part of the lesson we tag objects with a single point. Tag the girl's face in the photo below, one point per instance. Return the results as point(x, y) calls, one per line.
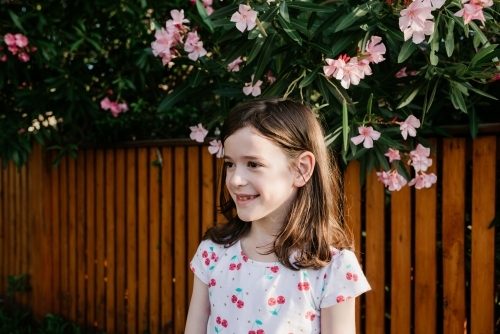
point(258, 177)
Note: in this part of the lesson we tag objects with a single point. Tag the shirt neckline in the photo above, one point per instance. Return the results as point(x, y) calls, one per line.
point(254, 262)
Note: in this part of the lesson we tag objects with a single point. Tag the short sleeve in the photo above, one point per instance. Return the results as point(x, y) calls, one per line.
point(200, 263)
point(344, 279)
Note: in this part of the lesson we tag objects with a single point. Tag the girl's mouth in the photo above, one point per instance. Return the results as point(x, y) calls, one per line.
point(243, 199)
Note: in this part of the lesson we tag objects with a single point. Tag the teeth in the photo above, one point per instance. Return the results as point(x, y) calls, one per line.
point(247, 198)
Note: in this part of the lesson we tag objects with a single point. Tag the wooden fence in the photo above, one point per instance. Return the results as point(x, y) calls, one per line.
point(106, 239)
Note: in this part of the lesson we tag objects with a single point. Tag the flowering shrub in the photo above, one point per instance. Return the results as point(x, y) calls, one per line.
point(383, 69)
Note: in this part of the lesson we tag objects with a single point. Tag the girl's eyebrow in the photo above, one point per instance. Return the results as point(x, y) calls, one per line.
point(248, 157)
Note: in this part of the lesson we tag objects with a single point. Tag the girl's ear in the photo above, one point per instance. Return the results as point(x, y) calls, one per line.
point(305, 166)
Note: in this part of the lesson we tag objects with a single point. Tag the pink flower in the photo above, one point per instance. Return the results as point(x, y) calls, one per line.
point(433, 3)
point(209, 9)
point(419, 158)
point(244, 18)
point(4, 58)
point(408, 126)
point(270, 77)
point(254, 90)
point(423, 180)
point(21, 40)
point(376, 49)
point(114, 107)
point(166, 57)
point(366, 135)
point(216, 148)
point(234, 65)
point(123, 107)
point(392, 180)
point(364, 66)
point(198, 133)
point(24, 57)
point(392, 155)
point(164, 41)
point(349, 73)
point(413, 22)
point(9, 39)
point(195, 50)
point(192, 38)
point(178, 17)
point(105, 103)
point(471, 12)
point(332, 68)
point(13, 49)
point(401, 73)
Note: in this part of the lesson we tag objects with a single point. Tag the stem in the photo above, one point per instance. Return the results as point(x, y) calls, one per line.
point(261, 27)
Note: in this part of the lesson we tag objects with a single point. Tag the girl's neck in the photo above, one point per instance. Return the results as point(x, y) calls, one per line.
point(259, 240)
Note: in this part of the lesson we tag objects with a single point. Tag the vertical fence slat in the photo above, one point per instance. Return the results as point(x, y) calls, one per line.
point(375, 258)
point(27, 231)
point(208, 190)
point(193, 212)
point(3, 240)
point(80, 238)
point(121, 242)
point(131, 239)
point(109, 261)
point(12, 221)
point(166, 241)
point(155, 242)
point(63, 209)
point(143, 223)
point(352, 212)
point(483, 238)
point(90, 235)
point(56, 235)
point(72, 253)
point(401, 261)
point(18, 232)
point(180, 260)
point(425, 255)
point(100, 301)
point(453, 235)
point(49, 290)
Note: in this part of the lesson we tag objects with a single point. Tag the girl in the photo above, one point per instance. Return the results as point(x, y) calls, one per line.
point(281, 263)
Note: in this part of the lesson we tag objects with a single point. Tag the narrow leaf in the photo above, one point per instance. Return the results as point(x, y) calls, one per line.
point(238, 50)
point(473, 123)
point(450, 41)
point(204, 15)
point(289, 30)
point(409, 96)
point(255, 49)
point(309, 78)
point(224, 11)
point(311, 7)
point(284, 11)
point(345, 126)
point(178, 94)
point(265, 56)
point(406, 50)
point(16, 21)
point(352, 17)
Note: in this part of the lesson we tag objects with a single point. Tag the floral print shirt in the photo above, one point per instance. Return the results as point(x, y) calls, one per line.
point(254, 297)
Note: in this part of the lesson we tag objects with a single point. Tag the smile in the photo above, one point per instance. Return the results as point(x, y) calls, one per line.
point(242, 199)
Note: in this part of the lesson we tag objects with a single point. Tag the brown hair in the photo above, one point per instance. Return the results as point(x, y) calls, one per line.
point(312, 224)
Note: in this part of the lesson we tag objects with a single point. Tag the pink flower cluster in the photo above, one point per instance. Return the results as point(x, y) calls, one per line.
point(18, 45)
point(168, 38)
point(245, 18)
point(198, 133)
point(114, 107)
point(473, 10)
point(414, 20)
point(352, 70)
point(207, 4)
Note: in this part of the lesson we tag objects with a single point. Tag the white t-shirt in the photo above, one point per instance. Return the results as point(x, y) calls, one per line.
point(254, 297)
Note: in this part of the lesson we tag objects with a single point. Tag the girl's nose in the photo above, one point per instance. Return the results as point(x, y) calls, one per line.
point(236, 179)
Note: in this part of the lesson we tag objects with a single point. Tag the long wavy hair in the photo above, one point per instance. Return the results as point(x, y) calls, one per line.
point(313, 222)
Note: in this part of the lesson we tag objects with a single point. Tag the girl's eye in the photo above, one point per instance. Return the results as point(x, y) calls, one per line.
point(253, 164)
point(228, 164)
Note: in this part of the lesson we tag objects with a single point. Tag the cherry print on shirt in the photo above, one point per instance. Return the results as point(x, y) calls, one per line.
point(305, 285)
point(324, 282)
point(273, 301)
point(311, 316)
point(257, 323)
point(211, 284)
point(340, 298)
point(235, 263)
point(210, 256)
point(244, 257)
point(273, 270)
point(222, 322)
point(235, 300)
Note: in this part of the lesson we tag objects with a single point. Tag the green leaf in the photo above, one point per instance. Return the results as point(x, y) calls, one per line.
point(16, 21)
point(265, 56)
point(229, 92)
point(284, 11)
point(224, 11)
point(178, 94)
point(450, 41)
point(456, 97)
point(478, 91)
point(311, 7)
point(259, 42)
point(311, 20)
point(204, 15)
point(330, 22)
point(352, 17)
point(381, 158)
point(409, 96)
point(480, 33)
point(473, 123)
point(343, 42)
point(495, 221)
point(196, 79)
point(76, 45)
point(289, 30)
point(309, 78)
point(266, 19)
point(225, 22)
point(482, 54)
point(322, 48)
point(401, 168)
point(345, 126)
point(406, 50)
point(239, 50)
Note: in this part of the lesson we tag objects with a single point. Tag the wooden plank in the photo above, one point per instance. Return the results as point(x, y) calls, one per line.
point(155, 242)
point(131, 282)
point(109, 260)
point(81, 265)
point(180, 258)
point(100, 249)
point(483, 238)
point(352, 215)
point(375, 258)
point(64, 247)
point(3, 241)
point(72, 250)
point(193, 212)
point(219, 163)
point(90, 215)
point(208, 190)
point(25, 246)
point(56, 235)
point(18, 296)
point(425, 255)
point(401, 261)
point(166, 241)
point(453, 235)
point(47, 242)
point(12, 223)
point(121, 241)
point(143, 245)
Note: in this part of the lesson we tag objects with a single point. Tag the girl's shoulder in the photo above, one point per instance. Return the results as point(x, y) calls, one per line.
point(207, 257)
